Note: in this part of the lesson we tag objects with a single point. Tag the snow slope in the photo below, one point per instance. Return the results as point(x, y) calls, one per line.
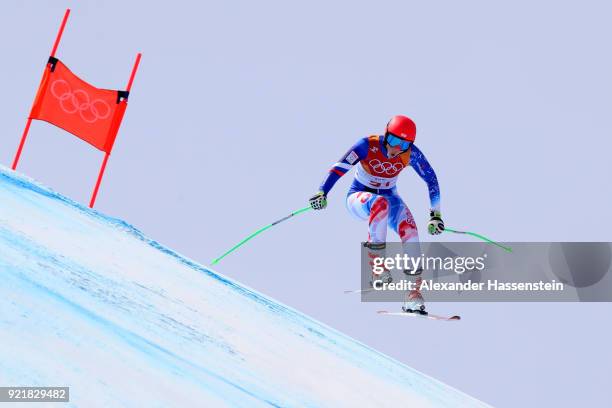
point(88, 301)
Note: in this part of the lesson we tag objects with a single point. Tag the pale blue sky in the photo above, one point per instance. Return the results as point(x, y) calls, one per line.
point(239, 108)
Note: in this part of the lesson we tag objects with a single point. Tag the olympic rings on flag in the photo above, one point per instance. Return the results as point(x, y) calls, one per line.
point(79, 101)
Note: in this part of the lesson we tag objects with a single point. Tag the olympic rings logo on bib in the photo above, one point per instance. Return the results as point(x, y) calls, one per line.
point(79, 101)
point(387, 168)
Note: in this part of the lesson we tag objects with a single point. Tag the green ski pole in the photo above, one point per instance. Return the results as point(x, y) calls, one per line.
point(505, 248)
point(259, 231)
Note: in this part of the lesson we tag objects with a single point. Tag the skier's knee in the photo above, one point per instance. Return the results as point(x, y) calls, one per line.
point(407, 230)
point(380, 206)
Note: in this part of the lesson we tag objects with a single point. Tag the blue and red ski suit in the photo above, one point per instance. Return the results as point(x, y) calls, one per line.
point(373, 194)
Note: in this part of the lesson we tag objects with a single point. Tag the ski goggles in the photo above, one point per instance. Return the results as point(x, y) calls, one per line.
point(395, 141)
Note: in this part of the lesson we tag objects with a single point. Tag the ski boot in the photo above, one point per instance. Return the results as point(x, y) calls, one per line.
point(377, 250)
point(411, 272)
point(384, 277)
point(414, 300)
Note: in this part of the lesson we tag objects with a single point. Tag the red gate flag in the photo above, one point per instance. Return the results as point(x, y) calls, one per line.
point(90, 113)
point(66, 101)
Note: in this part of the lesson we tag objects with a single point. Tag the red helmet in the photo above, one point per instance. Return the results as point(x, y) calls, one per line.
point(402, 127)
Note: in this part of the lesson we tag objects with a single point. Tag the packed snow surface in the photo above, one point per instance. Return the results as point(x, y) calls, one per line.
point(88, 301)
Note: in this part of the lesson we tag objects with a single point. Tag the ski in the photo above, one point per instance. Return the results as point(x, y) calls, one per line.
point(427, 316)
point(360, 290)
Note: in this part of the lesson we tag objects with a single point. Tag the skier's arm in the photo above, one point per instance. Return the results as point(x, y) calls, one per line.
point(346, 162)
point(339, 169)
point(420, 164)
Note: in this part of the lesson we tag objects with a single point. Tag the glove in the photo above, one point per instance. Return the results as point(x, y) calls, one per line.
point(318, 201)
point(435, 225)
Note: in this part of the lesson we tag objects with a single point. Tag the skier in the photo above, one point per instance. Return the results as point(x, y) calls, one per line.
point(373, 195)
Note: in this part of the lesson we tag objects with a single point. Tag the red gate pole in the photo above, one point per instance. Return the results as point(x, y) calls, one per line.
point(21, 143)
point(107, 154)
point(133, 74)
point(29, 122)
point(95, 192)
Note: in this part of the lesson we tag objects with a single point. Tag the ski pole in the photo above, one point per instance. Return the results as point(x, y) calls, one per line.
point(505, 248)
point(259, 231)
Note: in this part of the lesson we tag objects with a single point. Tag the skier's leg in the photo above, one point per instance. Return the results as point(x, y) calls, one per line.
point(402, 222)
point(375, 209)
point(371, 207)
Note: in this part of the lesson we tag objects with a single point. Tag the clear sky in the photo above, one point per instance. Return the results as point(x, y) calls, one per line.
point(239, 108)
